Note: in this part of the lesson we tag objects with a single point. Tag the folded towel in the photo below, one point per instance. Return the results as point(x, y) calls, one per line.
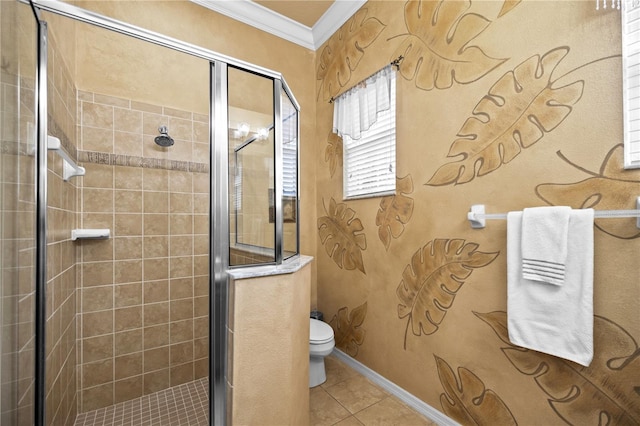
point(557, 320)
point(544, 243)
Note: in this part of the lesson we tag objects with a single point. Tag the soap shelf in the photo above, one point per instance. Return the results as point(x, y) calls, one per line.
point(77, 234)
point(70, 168)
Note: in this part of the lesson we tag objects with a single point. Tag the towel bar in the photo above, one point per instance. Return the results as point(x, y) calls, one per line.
point(477, 216)
point(70, 168)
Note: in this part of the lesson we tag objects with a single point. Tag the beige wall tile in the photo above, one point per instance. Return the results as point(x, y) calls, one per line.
point(97, 397)
point(97, 323)
point(201, 368)
point(97, 220)
point(156, 246)
point(127, 177)
point(151, 123)
point(128, 389)
point(156, 359)
point(127, 271)
point(156, 224)
point(127, 120)
point(128, 341)
point(127, 224)
point(97, 273)
point(181, 374)
point(201, 224)
point(201, 286)
point(127, 248)
point(97, 348)
point(201, 203)
point(127, 318)
point(177, 113)
point(181, 288)
point(201, 348)
point(128, 201)
point(97, 200)
point(180, 181)
point(180, 267)
point(98, 176)
point(201, 265)
point(94, 115)
point(156, 202)
point(156, 269)
point(97, 373)
point(201, 327)
point(155, 336)
point(97, 298)
point(142, 106)
point(181, 245)
point(181, 353)
point(181, 309)
point(128, 365)
point(128, 295)
point(181, 331)
point(156, 291)
point(201, 306)
point(182, 224)
point(155, 381)
point(127, 143)
point(156, 313)
point(110, 100)
point(96, 250)
point(180, 203)
point(156, 180)
point(99, 140)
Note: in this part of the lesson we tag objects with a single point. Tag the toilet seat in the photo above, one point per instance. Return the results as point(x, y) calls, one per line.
point(319, 332)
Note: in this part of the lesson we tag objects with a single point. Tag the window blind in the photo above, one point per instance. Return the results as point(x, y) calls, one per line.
point(631, 81)
point(369, 162)
point(289, 151)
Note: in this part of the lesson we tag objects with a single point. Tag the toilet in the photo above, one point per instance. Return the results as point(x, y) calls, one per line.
point(321, 344)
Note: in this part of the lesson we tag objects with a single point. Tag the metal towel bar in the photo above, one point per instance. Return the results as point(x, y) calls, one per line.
point(477, 216)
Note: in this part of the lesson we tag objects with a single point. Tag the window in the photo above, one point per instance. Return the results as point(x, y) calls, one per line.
point(631, 82)
point(369, 140)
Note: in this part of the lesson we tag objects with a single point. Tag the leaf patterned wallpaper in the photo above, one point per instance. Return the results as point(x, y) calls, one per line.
point(510, 104)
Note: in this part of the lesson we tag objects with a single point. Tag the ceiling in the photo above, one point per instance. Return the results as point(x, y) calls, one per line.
point(308, 23)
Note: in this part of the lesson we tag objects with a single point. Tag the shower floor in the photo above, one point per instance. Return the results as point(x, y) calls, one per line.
point(183, 405)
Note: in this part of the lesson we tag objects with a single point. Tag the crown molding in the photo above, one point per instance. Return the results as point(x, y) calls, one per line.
point(272, 22)
point(339, 12)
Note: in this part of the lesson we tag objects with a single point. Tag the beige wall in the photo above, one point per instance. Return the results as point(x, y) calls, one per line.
point(545, 73)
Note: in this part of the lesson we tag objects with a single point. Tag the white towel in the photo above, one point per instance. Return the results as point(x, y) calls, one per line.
point(557, 320)
point(544, 243)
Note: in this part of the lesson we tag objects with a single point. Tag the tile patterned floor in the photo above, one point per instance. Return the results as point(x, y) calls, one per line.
point(184, 405)
point(348, 399)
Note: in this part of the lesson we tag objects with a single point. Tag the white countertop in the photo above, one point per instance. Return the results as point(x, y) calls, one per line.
point(288, 266)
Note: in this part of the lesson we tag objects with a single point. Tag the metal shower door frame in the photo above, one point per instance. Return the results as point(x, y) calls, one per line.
point(219, 197)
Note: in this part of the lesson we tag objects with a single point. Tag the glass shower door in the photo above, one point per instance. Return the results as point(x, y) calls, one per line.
point(18, 47)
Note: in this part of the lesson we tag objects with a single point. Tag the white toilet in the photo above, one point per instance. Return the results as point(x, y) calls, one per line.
point(321, 344)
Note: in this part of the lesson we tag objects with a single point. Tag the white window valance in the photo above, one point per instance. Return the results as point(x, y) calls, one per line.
point(357, 109)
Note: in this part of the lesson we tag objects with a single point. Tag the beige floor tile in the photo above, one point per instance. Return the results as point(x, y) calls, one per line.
point(356, 393)
point(323, 409)
point(349, 421)
point(337, 371)
point(390, 411)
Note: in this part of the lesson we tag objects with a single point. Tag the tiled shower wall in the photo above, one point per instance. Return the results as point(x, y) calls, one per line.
point(143, 303)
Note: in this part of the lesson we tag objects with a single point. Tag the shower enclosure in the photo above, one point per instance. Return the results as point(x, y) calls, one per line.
point(90, 323)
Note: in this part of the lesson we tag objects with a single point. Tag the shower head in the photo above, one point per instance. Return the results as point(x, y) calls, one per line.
point(164, 139)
